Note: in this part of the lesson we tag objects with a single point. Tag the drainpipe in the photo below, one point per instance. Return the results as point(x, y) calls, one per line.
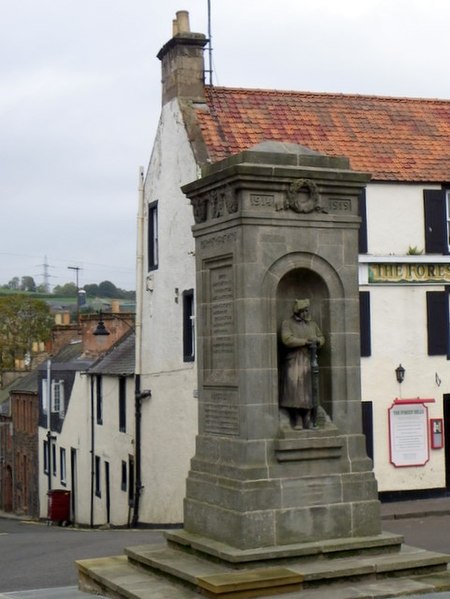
point(138, 329)
point(92, 453)
point(137, 450)
point(49, 432)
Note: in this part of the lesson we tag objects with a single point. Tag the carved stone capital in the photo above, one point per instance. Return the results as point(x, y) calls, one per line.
point(214, 204)
point(200, 208)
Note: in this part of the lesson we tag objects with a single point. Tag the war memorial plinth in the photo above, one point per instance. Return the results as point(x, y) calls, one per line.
point(276, 504)
point(272, 227)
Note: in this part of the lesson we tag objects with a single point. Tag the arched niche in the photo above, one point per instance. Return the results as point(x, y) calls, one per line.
point(302, 283)
point(305, 275)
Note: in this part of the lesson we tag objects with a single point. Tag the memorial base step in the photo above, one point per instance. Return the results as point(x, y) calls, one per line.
point(178, 571)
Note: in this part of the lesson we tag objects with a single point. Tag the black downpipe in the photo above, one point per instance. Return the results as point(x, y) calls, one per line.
point(92, 453)
point(137, 449)
point(49, 458)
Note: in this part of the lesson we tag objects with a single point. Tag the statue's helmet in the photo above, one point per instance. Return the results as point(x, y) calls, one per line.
point(300, 304)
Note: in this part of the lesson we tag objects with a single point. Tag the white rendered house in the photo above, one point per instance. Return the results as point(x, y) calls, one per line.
point(404, 263)
point(90, 428)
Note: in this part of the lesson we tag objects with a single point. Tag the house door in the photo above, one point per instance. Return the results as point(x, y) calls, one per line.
point(108, 494)
point(73, 482)
point(25, 483)
point(447, 439)
point(367, 426)
point(8, 490)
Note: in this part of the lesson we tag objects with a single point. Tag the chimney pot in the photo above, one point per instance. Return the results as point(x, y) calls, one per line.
point(183, 21)
point(174, 27)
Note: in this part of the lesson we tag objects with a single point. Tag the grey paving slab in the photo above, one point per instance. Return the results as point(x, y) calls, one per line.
point(57, 593)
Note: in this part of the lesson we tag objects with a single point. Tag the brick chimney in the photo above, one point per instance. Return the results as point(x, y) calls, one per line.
point(183, 68)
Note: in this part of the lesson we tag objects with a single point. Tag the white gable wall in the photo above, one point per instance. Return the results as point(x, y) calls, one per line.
point(169, 417)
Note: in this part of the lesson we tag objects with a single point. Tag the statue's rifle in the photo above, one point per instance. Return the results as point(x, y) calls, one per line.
point(314, 382)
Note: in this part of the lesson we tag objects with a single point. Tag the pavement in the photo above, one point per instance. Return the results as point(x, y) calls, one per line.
point(391, 510)
point(418, 508)
point(56, 593)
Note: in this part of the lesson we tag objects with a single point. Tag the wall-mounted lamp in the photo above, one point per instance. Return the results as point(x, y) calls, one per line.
point(400, 373)
point(101, 329)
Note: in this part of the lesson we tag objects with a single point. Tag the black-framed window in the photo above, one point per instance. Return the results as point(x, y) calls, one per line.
point(123, 476)
point(98, 477)
point(58, 398)
point(188, 326)
point(122, 404)
point(365, 324)
point(62, 465)
point(45, 450)
point(153, 246)
point(438, 323)
point(362, 210)
point(437, 218)
point(45, 397)
point(54, 465)
point(99, 398)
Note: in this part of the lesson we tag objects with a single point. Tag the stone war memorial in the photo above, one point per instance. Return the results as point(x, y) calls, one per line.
point(280, 498)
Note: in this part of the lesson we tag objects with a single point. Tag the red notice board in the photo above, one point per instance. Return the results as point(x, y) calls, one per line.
point(408, 433)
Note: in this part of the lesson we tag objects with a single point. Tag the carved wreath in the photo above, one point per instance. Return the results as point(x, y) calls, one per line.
point(301, 202)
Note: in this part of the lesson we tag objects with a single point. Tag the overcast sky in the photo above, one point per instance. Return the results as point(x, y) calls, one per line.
point(80, 101)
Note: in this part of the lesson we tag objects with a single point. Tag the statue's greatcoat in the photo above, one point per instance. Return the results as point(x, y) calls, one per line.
point(296, 388)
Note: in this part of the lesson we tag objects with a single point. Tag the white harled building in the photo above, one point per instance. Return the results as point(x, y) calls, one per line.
point(404, 269)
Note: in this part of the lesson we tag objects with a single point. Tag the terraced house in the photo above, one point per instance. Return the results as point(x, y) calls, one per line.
point(404, 264)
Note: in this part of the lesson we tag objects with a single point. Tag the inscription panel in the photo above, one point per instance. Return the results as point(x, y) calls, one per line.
point(220, 411)
point(339, 205)
point(260, 200)
point(219, 321)
point(218, 241)
point(264, 201)
point(221, 318)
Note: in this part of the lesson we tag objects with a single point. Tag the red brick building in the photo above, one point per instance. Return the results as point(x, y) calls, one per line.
point(19, 448)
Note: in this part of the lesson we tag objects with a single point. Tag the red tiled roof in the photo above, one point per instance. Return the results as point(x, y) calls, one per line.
point(394, 139)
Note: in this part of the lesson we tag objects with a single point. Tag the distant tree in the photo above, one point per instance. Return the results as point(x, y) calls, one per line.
point(91, 290)
point(104, 289)
point(23, 320)
point(108, 289)
point(131, 295)
point(27, 284)
point(66, 290)
point(14, 283)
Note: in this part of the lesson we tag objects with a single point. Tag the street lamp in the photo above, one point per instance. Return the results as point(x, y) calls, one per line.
point(400, 374)
point(100, 328)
